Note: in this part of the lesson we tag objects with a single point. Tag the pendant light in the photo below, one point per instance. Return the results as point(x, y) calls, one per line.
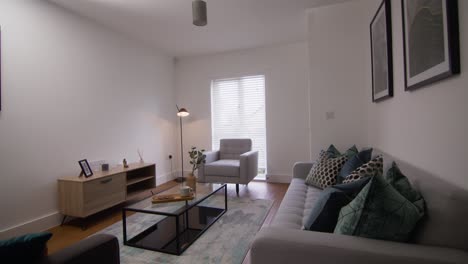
point(199, 13)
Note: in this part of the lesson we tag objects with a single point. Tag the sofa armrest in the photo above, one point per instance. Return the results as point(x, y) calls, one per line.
point(211, 156)
point(248, 166)
point(283, 245)
point(101, 248)
point(301, 169)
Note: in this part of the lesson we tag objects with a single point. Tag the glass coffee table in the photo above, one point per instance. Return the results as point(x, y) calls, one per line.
point(171, 227)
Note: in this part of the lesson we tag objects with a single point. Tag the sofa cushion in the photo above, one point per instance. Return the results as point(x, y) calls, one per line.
point(353, 163)
point(233, 148)
point(227, 168)
point(333, 152)
point(395, 177)
point(24, 249)
point(324, 214)
point(380, 212)
point(296, 205)
point(369, 169)
point(324, 173)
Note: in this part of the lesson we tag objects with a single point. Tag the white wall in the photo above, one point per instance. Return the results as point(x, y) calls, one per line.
point(71, 90)
point(427, 127)
point(287, 104)
point(336, 77)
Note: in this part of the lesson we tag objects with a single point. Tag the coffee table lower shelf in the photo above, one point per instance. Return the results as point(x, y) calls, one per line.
point(176, 231)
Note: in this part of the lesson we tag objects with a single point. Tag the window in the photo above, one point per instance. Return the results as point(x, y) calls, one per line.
point(238, 111)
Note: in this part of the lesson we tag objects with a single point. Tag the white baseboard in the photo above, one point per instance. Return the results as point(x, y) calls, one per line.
point(54, 219)
point(36, 225)
point(279, 178)
point(160, 179)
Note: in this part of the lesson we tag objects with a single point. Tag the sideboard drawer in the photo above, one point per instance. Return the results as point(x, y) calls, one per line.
point(103, 193)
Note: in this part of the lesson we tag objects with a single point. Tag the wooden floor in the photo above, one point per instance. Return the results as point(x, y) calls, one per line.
point(68, 234)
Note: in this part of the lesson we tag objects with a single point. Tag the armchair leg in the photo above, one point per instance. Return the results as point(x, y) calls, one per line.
point(237, 189)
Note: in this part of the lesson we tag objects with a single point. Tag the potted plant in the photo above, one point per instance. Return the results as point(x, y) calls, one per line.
point(197, 158)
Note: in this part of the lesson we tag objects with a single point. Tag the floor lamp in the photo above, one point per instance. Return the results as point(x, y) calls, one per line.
point(181, 112)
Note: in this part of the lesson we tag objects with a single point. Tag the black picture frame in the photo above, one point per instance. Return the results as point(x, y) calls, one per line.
point(85, 168)
point(381, 53)
point(418, 69)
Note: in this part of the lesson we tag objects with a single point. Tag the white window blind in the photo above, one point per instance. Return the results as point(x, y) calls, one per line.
point(238, 111)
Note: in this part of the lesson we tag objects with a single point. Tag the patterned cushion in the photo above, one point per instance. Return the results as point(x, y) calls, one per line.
point(323, 174)
point(379, 212)
point(369, 169)
point(353, 163)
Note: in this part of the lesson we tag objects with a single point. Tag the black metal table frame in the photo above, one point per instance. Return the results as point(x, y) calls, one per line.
point(181, 211)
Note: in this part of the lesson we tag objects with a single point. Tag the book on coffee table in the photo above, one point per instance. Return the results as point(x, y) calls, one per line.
point(171, 198)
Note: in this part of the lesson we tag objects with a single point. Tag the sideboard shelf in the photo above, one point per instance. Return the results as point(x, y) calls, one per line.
point(137, 180)
point(81, 197)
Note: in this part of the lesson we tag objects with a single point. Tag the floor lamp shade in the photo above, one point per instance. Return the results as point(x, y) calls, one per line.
point(199, 13)
point(183, 112)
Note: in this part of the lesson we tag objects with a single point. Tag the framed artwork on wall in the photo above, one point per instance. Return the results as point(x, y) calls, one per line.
point(381, 53)
point(430, 41)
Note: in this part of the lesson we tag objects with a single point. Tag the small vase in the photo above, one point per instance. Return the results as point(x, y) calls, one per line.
point(191, 181)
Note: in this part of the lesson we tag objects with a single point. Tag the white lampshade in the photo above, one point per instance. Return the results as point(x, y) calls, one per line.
point(183, 112)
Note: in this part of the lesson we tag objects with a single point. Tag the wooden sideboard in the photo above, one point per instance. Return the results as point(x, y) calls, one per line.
point(81, 197)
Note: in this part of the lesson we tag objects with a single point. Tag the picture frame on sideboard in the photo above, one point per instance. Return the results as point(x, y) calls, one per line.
point(85, 168)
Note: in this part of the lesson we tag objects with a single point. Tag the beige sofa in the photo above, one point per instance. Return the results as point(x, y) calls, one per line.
point(441, 237)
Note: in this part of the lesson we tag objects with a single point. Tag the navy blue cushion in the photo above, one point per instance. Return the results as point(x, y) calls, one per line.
point(354, 163)
point(24, 249)
point(324, 215)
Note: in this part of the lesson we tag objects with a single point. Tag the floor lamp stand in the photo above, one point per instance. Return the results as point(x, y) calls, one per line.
point(181, 178)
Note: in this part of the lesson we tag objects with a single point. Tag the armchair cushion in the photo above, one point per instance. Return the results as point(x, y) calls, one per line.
point(223, 167)
point(233, 148)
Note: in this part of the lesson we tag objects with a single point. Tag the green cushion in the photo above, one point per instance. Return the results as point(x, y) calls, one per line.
point(380, 212)
point(399, 181)
point(24, 249)
point(333, 152)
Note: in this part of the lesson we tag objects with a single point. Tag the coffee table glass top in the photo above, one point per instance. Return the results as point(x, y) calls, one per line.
point(202, 191)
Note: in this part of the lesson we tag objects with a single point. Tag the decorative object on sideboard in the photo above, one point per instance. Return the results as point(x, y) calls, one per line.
point(200, 17)
point(125, 164)
point(181, 112)
point(105, 166)
point(85, 168)
point(381, 53)
point(430, 41)
point(197, 158)
point(140, 154)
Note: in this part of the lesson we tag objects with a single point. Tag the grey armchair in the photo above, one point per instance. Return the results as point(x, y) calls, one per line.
point(234, 162)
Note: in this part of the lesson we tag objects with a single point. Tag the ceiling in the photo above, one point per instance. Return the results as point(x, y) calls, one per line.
point(232, 24)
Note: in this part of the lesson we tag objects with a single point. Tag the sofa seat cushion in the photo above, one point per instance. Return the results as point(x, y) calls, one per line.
point(296, 205)
point(227, 168)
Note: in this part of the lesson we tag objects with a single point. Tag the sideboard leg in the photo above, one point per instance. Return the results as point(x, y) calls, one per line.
point(63, 220)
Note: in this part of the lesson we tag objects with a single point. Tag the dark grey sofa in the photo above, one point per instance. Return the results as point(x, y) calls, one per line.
point(97, 249)
point(442, 237)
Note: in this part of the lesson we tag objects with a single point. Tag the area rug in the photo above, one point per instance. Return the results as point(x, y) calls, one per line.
point(226, 241)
